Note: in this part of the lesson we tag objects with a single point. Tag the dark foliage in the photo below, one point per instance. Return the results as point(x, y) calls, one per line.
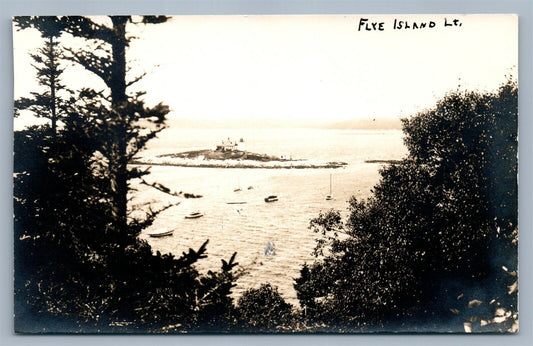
point(438, 234)
point(264, 310)
point(72, 266)
point(79, 266)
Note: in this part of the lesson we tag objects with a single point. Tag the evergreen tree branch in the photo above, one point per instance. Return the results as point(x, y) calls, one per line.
point(100, 66)
point(136, 79)
point(85, 28)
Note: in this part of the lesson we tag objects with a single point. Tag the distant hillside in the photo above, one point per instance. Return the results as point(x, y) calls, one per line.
point(252, 122)
point(368, 124)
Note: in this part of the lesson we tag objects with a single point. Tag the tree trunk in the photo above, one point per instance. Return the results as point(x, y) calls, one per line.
point(119, 169)
point(53, 73)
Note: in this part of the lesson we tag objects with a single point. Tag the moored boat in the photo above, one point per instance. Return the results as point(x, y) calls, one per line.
point(194, 215)
point(162, 232)
point(271, 198)
point(330, 196)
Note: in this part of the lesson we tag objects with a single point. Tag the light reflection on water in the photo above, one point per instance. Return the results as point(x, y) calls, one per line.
point(247, 228)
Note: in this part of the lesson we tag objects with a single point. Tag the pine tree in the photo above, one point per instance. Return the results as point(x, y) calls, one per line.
point(46, 104)
point(76, 255)
point(107, 60)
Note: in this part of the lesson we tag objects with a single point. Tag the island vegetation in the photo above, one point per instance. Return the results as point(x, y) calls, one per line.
point(433, 249)
point(209, 154)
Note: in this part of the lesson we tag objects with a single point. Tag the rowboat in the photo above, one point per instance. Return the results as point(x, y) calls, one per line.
point(162, 232)
point(194, 215)
point(271, 198)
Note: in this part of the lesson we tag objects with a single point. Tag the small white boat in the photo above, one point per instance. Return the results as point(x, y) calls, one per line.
point(194, 215)
point(330, 196)
point(162, 232)
point(271, 198)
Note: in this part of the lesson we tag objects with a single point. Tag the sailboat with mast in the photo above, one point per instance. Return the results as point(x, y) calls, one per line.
point(330, 196)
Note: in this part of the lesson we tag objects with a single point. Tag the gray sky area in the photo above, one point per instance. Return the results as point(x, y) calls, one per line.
point(313, 68)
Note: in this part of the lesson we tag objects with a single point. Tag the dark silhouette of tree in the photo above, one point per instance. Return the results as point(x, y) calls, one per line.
point(47, 63)
point(436, 242)
point(79, 263)
point(74, 273)
point(107, 60)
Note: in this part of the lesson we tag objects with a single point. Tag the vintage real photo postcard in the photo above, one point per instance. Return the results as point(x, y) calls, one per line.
point(266, 174)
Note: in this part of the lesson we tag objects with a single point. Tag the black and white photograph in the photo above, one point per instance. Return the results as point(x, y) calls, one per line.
point(266, 174)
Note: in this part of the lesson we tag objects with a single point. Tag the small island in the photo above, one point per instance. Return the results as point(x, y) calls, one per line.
point(391, 162)
point(229, 154)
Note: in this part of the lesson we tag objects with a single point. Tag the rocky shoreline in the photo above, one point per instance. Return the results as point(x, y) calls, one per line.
point(384, 161)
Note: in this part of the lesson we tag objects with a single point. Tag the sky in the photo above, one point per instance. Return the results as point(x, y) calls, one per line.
point(311, 67)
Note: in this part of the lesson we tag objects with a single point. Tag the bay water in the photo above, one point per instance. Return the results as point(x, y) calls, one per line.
point(249, 226)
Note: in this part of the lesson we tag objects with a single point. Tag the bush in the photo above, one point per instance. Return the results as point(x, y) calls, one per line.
point(263, 310)
point(440, 226)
